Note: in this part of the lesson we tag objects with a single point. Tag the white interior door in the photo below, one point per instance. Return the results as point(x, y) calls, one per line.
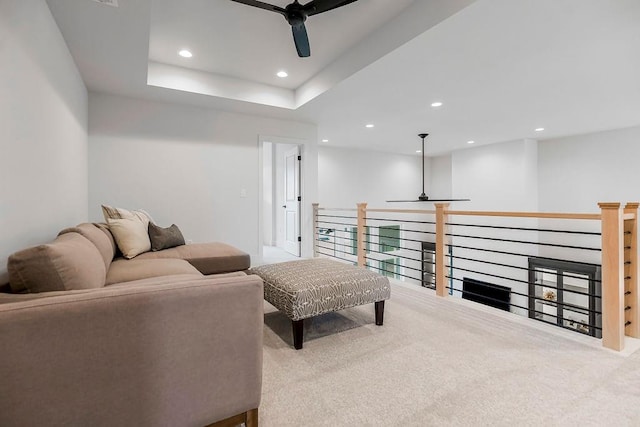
point(292, 201)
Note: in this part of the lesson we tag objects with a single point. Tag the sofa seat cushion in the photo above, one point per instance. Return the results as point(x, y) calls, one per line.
point(128, 270)
point(208, 258)
point(69, 262)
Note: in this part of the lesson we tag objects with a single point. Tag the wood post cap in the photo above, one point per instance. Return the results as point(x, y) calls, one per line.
point(632, 205)
point(609, 205)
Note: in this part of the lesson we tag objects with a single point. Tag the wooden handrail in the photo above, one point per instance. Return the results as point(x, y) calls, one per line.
point(417, 211)
point(541, 215)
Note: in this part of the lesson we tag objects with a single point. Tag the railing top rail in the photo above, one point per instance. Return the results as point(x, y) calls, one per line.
point(540, 215)
point(418, 211)
point(544, 215)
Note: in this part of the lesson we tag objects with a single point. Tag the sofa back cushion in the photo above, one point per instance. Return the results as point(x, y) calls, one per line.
point(69, 262)
point(100, 236)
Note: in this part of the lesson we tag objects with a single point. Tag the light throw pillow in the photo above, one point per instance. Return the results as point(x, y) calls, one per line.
point(164, 238)
point(131, 236)
point(110, 212)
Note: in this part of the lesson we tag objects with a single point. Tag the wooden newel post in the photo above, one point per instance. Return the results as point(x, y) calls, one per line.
point(612, 276)
point(631, 271)
point(442, 241)
point(361, 235)
point(316, 231)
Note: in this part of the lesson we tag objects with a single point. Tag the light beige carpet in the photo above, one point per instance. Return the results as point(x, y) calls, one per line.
point(437, 362)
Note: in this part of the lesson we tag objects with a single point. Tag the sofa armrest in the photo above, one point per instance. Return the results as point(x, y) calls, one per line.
point(185, 354)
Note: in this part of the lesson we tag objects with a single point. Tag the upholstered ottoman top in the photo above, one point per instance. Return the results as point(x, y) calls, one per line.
point(309, 287)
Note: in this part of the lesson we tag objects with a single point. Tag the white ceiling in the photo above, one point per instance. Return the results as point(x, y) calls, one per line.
point(501, 67)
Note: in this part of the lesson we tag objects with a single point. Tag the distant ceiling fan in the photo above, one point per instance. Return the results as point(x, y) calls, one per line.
point(296, 13)
point(423, 197)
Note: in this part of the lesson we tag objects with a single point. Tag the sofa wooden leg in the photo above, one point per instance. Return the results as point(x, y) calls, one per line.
point(249, 418)
point(252, 418)
point(379, 312)
point(298, 332)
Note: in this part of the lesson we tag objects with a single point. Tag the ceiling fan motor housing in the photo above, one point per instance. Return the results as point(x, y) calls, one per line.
point(295, 14)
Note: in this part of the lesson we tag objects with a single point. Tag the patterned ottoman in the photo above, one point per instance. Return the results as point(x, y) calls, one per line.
point(309, 287)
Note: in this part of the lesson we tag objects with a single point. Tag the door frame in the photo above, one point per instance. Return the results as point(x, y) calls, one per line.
point(293, 246)
point(304, 205)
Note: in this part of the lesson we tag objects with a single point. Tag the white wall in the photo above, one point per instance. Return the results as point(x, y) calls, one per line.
point(268, 171)
point(440, 177)
point(188, 166)
point(43, 130)
point(349, 176)
point(499, 177)
point(577, 172)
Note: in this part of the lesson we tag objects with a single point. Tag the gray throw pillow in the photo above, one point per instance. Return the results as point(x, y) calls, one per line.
point(163, 238)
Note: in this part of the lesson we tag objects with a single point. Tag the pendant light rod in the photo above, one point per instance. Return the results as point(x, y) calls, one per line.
point(423, 196)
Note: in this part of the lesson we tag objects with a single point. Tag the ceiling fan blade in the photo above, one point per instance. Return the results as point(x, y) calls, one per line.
point(318, 6)
point(301, 40)
point(430, 200)
point(263, 5)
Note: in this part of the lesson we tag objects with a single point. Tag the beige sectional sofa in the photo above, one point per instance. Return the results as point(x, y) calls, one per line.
point(172, 337)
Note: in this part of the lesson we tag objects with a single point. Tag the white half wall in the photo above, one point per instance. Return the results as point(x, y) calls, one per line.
point(43, 130)
point(350, 176)
point(198, 168)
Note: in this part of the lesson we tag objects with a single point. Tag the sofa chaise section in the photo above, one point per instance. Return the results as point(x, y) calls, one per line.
point(208, 258)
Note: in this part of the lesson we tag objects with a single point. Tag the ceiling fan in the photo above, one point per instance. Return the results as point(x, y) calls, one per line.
point(296, 13)
point(423, 197)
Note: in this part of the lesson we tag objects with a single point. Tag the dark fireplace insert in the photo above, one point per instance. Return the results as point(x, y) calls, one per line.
point(486, 293)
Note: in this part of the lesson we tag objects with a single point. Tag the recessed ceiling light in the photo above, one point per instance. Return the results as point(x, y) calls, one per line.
point(369, 125)
point(325, 140)
point(539, 129)
point(418, 151)
point(282, 74)
point(185, 53)
point(437, 104)
point(471, 142)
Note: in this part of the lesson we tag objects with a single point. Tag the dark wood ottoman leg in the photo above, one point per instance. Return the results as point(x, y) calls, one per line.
point(379, 312)
point(298, 328)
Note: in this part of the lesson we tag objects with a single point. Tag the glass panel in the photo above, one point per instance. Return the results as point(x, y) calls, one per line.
point(573, 316)
point(428, 265)
point(546, 295)
point(389, 267)
point(389, 238)
point(353, 243)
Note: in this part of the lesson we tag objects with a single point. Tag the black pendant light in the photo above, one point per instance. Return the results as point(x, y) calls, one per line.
point(423, 197)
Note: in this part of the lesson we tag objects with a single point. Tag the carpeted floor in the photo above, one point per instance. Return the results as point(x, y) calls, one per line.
point(439, 362)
